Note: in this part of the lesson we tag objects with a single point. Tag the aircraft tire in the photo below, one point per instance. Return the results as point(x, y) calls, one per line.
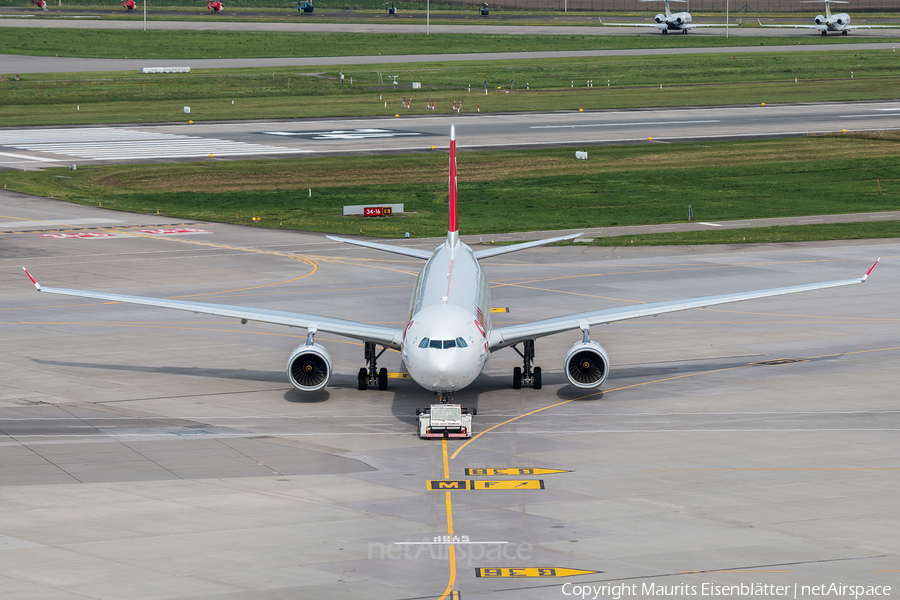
point(362, 379)
point(382, 379)
point(517, 378)
point(536, 378)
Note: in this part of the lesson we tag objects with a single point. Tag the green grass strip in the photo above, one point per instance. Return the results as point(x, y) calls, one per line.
point(504, 191)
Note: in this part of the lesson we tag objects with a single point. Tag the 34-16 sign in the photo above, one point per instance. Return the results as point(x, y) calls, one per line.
point(377, 211)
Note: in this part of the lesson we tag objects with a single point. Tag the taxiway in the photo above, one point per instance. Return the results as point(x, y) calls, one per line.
point(155, 454)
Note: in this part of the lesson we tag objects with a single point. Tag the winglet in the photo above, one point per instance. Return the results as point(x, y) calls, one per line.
point(451, 221)
point(866, 276)
point(37, 286)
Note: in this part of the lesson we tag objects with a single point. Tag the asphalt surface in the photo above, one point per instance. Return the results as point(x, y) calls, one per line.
point(155, 454)
point(60, 146)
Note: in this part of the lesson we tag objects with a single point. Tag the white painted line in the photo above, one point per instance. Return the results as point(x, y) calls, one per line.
point(619, 124)
point(809, 220)
point(894, 114)
point(710, 224)
point(442, 543)
point(26, 157)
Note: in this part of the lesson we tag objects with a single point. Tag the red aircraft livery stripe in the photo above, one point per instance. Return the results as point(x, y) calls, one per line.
point(452, 226)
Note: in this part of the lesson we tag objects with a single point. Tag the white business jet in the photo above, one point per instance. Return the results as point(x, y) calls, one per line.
point(829, 22)
point(448, 335)
point(680, 21)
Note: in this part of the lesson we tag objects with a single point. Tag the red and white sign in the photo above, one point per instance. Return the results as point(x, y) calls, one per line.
point(373, 211)
point(173, 231)
point(92, 234)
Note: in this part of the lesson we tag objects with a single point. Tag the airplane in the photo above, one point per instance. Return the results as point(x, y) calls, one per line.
point(680, 21)
point(448, 337)
point(42, 4)
point(128, 5)
point(839, 22)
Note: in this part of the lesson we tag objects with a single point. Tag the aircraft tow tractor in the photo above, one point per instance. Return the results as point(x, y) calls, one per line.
point(445, 420)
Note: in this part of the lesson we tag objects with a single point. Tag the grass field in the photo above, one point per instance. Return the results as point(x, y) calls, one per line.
point(504, 191)
point(172, 45)
point(553, 84)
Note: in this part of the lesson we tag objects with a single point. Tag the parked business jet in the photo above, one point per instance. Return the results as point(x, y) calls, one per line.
point(839, 22)
point(680, 21)
point(448, 335)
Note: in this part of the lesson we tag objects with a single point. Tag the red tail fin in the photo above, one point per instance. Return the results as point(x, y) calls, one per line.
point(451, 222)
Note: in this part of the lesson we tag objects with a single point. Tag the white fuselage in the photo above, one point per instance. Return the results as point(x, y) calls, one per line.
point(450, 308)
point(836, 22)
point(675, 20)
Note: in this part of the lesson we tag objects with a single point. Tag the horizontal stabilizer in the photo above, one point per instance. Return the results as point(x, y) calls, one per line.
point(414, 252)
point(479, 254)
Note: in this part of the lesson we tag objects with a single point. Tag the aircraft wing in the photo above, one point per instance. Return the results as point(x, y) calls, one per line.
point(657, 25)
point(513, 334)
point(694, 25)
point(414, 252)
point(819, 27)
point(872, 26)
point(385, 336)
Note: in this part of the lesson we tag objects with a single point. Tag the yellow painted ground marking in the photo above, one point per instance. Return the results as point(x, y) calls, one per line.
point(446, 462)
point(500, 310)
point(444, 484)
point(531, 572)
point(507, 484)
point(514, 471)
point(399, 376)
point(486, 484)
point(449, 508)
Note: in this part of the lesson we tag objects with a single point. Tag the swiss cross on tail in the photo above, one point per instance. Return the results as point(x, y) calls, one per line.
point(451, 221)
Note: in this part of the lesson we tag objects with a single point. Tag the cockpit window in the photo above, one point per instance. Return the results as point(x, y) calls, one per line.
point(442, 344)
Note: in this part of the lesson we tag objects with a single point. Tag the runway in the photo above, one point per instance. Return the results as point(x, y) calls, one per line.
point(38, 147)
point(146, 453)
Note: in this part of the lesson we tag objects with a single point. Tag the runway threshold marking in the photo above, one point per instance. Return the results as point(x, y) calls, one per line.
point(531, 572)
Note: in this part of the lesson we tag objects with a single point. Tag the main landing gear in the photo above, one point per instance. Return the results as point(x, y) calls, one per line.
point(526, 374)
point(371, 375)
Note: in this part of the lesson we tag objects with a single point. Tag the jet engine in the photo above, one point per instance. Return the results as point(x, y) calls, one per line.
point(660, 18)
point(587, 364)
point(820, 20)
point(309, 367)
point(839, 19)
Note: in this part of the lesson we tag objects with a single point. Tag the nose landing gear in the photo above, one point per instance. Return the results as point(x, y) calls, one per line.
point(526, 374)
point(371, 375)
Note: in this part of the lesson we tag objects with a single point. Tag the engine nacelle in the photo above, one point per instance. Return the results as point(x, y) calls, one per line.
point(660, 18)
point(586, 365)
point(309, 367)
point(820, 20)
